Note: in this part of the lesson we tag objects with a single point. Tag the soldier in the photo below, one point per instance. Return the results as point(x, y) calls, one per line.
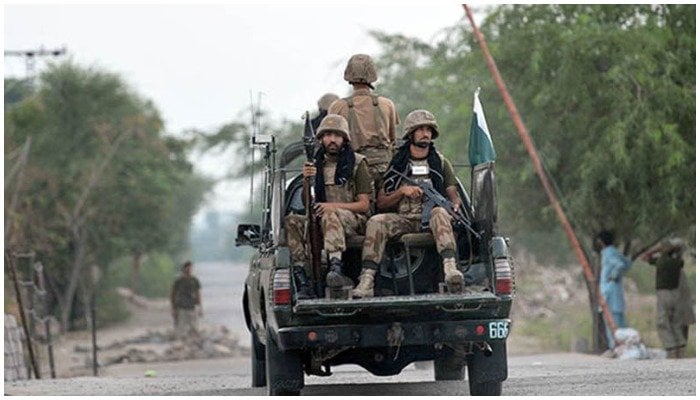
point(323, 104)
point(343, 187)
point(419, 159)
point(372, 118)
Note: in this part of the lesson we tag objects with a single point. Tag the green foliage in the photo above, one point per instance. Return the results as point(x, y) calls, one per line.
point(155, 276)
point(110, 308)
point(102, 179)
point(607, 93)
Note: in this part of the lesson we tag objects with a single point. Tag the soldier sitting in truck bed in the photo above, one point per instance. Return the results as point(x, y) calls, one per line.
point(418, 159)
point(343, 187)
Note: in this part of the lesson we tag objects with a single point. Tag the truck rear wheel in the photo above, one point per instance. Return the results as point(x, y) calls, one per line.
point(485, 388)
point(285, 372)
point(257, 361)
point(449, 368)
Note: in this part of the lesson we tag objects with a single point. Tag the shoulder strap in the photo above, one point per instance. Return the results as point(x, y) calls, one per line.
point(378, 116)
point(352, 116)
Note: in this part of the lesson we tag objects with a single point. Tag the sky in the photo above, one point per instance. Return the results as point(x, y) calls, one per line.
point(201, 65)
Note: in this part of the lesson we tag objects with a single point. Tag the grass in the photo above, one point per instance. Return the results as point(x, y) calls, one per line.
point(573, 322)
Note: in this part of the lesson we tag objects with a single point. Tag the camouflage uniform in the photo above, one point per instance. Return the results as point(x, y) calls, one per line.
point(337, 223)
point(383, 227)
point(372, 118)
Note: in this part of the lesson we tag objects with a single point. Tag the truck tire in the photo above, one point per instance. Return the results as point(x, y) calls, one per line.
point(485, 388)
point(284, 370)
point(257, 361)
point(449, 368)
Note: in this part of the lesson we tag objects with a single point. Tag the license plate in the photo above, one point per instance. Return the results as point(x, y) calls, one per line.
point(498, 330)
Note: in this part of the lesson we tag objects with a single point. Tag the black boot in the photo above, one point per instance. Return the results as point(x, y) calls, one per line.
point(302, 282)
point(335, 278)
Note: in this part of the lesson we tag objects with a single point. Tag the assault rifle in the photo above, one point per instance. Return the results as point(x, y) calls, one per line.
point(434, 198)
point(315, 238)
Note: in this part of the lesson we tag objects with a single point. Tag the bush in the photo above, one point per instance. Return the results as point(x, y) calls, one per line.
point(155, 277)
point(110, 308)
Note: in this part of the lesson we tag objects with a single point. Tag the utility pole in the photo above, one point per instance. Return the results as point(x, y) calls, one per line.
point(30, 57)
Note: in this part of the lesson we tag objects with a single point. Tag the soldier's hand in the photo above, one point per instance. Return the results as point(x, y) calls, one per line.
point(412, 192)
point(309, 169)
point(320, 208)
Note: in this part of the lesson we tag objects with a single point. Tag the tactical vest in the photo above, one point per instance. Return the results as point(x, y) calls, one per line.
point(336, 193)
point(375, 154)
point(414, 207)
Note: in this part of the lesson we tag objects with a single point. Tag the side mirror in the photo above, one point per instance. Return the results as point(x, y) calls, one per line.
point(248, 235)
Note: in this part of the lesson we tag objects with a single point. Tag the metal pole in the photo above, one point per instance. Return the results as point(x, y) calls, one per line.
point(94, 333)
point(40, 283)
point(527, 141)
point(13, 273)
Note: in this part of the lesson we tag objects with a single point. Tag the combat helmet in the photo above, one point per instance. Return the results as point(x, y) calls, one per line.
point(360, 69)
point(334, 122)
point(416, 118)
point(324, 103)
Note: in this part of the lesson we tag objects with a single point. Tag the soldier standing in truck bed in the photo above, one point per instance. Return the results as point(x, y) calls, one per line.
point(372, 118)
point(343, 187)
point(418, 159)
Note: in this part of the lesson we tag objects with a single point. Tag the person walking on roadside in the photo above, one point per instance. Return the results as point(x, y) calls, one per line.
point(186, 304)
point(614, 265)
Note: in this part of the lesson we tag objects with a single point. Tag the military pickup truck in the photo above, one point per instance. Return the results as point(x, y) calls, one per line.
point(411, 318)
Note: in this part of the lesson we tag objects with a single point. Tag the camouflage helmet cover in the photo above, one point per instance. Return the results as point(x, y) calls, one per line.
point(417, 118)
point(324, 103)
point(334, 123)
point(360, 69)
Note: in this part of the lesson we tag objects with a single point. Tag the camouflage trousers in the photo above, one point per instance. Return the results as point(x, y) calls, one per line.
point(383, 227)
point(336, 225)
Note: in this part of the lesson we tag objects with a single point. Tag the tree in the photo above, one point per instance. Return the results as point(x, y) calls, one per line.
point(102, 180)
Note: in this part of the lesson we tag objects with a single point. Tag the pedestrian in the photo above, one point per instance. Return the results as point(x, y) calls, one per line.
point(343, 186)
point(614, 265)
point(186, 304)
point(671, 306)
point(419, 159)
point(372, 118)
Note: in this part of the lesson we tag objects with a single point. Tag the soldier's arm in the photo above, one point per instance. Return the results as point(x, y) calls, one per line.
point(451, 185)
point(453, 196)
point(389, 201)
point(337, 107)
point(360, 206)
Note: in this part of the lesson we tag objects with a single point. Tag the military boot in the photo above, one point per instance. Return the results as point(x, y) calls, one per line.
point(302, 283)
point(454, 279)
point(335, 278)
point(366, 286)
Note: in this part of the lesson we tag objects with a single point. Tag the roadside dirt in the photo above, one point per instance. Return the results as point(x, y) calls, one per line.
point(146, 338)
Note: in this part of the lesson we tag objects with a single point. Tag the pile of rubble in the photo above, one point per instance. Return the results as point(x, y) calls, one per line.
point(162, 346)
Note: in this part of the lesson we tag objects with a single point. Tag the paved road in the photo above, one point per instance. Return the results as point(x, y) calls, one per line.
point(222, 294)
point(547, 374)
point(540, 375)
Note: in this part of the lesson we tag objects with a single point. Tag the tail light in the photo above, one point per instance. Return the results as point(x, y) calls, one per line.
point(281, 288)
point(504, 276)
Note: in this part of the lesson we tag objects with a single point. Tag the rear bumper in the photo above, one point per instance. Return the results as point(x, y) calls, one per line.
point(388, 334)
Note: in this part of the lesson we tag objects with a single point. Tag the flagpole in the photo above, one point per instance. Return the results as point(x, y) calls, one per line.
point(527, 141)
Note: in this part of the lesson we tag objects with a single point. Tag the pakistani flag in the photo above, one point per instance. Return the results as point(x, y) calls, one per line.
point(480, 145)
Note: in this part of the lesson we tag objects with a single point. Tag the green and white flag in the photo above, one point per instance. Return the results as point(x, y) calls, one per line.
point(480, 145)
